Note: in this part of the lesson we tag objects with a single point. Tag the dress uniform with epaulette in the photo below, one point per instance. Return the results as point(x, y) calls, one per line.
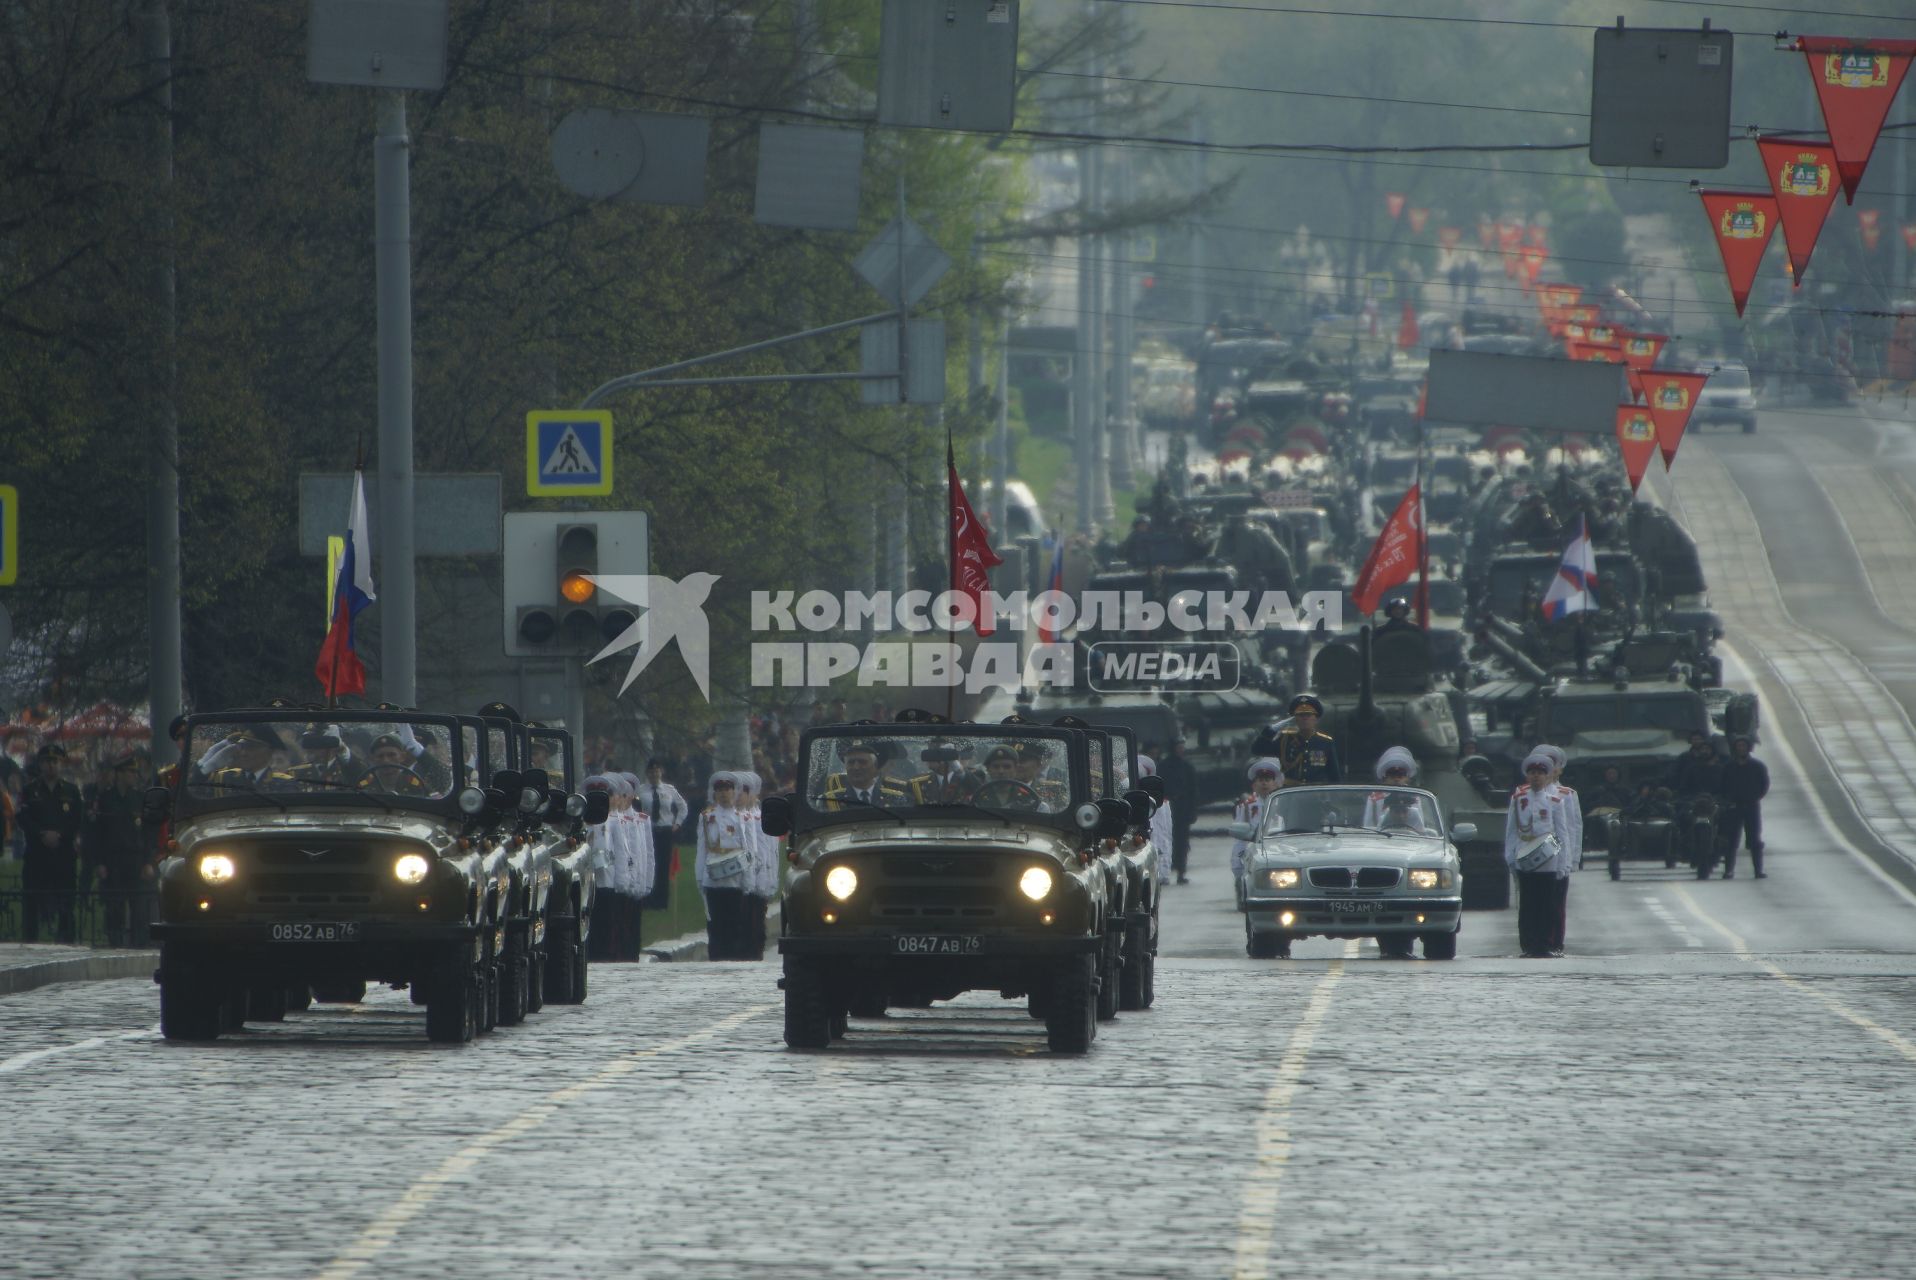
point(1306, 755)
point(946, 781)
point(1543, 813)
point(723, 867)
point(842, 793)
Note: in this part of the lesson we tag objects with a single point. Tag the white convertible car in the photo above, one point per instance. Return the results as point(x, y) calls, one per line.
point(1352, 862)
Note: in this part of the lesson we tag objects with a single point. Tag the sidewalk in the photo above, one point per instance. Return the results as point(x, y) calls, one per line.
point(26, 965)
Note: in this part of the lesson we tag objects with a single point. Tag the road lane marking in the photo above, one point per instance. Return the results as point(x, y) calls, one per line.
point(1677, 926)
point(21, 1061)
point(1900, 1043)
point(377, 1237)
point(1257, 1216)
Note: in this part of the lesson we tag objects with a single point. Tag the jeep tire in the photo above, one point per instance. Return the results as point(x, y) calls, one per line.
point(1071, 1005)
point(515, 975)
point(453, 998)
point(1137, 959)
point(191, 1008)
point(808, 1012)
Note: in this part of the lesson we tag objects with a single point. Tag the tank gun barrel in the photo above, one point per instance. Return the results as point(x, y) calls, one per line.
point(1513, 655)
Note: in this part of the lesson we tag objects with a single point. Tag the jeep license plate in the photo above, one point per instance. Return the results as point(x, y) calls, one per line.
point(1355, 907)
point(311, 931)
point(933, 944)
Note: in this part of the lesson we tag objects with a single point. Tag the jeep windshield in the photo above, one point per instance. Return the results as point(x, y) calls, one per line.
point(1010, 771)
point(275, 761)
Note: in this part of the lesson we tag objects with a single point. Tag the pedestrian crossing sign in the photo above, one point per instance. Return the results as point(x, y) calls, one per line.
point(9, 535)
point(568, 453)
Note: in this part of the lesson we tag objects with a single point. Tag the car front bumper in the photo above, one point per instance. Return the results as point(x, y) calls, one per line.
point(1333, 918)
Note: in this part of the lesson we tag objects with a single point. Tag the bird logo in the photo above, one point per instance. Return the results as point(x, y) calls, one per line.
point(672, 611)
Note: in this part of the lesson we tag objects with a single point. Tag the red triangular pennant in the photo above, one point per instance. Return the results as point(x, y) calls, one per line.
point(1856, 81)
point(1449, 237)
point(1670, 398)
point(1407, 327)
point(1640, 350)
point(1394, 201)
point(1637, 437)
point(1909, 235)
point(1742, 223)
point(1418, 217)
point(1636, 391)
point(1803, 176)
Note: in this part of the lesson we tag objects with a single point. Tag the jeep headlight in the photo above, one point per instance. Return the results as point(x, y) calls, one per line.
point(1425, 878)
point(411, 868)
point(1035, 883)
point(1285, 878)
point(216, 868)
point(841, 882)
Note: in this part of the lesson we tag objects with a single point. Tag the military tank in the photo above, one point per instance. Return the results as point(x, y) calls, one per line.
point(1382, 692)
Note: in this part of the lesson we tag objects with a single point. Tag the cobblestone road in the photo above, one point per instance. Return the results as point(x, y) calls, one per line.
point(1705, 1112)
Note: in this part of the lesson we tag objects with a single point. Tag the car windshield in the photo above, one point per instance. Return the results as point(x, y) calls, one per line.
point(549, 752)
point(1008, 771)
point(1731, 377)
point(272, 760)
point(1394, 810)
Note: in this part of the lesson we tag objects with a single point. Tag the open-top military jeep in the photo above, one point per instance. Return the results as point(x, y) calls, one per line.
point(936, 859)
point(321, 850)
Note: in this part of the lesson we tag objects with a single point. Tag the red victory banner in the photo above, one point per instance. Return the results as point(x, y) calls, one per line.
point(1395, 555)
point(1449, 238)
point(1593, 351)
point(1640, 350)
point(1584, 313)
point(971, 553)
point(1803, 176)
point(1742, 222)
point(1670, 397)
point(1637, 437)
point(1394, 201)
point(1563, 295)
point(1533, 260)
point(1603, 335)
point(1856, 80)
point(1418, 217)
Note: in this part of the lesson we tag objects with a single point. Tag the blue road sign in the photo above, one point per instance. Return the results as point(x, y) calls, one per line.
point(568, 452)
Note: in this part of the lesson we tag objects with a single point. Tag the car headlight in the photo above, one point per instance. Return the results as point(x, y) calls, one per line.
point(1429, 879)
point(841, 882)
point(1035, 883)
point(411, 868)
point(216, 868)
point(1283, 879)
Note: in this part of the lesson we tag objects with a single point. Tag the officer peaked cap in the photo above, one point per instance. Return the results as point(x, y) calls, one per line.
point(498, 711)
point(1305, 702)
point(263, 735)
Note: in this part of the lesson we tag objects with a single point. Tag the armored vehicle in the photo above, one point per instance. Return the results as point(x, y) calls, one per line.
point(906, 894)
point(314, 853)
point(1639, 726)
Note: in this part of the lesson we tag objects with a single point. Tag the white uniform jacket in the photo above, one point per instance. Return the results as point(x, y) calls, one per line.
point(1161, 838)
point(725, 850)
point(664, 804)
point(1551, 811)
point(640, 869)
point(1249, 809)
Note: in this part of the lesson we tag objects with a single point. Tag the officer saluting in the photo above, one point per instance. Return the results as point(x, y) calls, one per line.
point(1306, 755)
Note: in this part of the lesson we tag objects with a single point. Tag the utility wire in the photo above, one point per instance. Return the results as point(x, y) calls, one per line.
point(1291, 11)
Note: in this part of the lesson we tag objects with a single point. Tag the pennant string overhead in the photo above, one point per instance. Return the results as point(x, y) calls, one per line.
point(1856, 81)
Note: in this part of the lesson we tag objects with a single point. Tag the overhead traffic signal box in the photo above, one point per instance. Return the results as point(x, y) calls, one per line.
point(554, 603)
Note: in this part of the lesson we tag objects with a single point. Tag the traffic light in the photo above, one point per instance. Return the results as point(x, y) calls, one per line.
point(553, 606)
point(581, 618)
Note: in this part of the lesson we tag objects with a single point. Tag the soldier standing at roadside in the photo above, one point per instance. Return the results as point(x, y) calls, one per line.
point(1746, 780)
point(116, 854)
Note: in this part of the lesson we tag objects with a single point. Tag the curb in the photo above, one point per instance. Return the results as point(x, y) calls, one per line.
point(124, 964)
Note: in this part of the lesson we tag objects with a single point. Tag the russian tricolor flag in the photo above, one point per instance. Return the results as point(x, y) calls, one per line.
point(1575, 587)
point(339, 668)
point(1054, 581)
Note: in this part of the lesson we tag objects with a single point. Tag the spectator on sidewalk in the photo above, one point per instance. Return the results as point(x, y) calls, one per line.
point(51, 818)
point(118, 868)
